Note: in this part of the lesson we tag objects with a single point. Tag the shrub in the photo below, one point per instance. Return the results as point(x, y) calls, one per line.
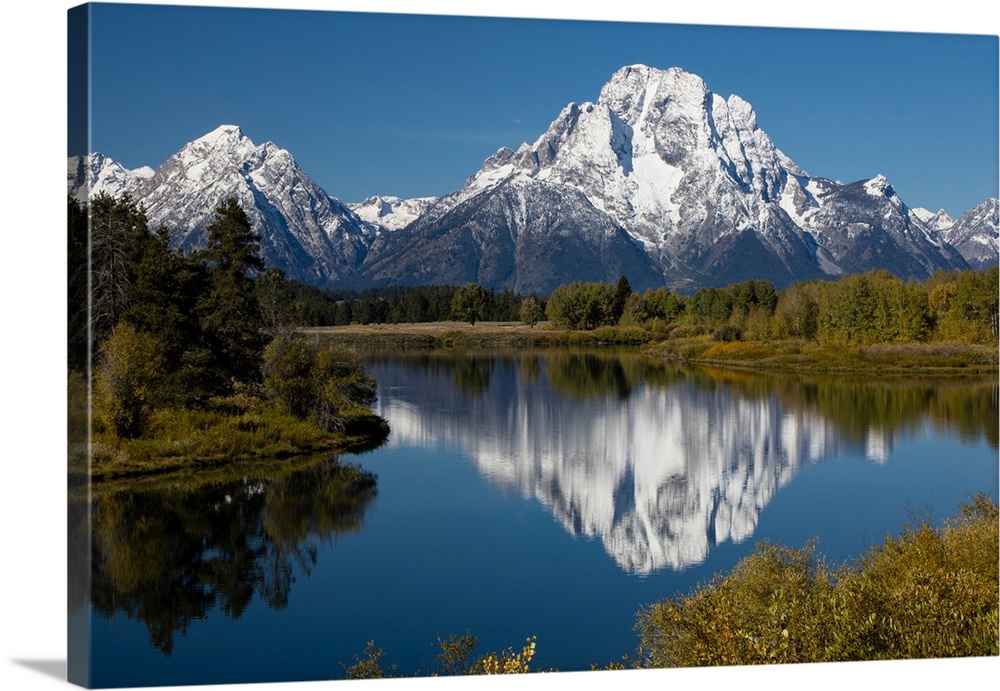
point(770, 609)
point(128, 381)
point(328, 385)
point(927, 593)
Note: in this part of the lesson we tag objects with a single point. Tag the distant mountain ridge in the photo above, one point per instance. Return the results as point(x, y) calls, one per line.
point(659, 179)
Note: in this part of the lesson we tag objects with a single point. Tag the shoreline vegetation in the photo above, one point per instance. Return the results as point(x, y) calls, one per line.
point(929, 592)
point(186, 361)
point(208, 356)
point(790, 355)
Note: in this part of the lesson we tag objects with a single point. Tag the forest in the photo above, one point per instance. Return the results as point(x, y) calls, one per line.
point(206, 346)
point(194, 355)
point(860, 309)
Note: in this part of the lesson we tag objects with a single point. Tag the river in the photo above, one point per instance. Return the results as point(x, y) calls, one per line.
point(547, 494)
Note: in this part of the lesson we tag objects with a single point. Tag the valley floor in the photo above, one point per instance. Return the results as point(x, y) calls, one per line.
point(787, 355)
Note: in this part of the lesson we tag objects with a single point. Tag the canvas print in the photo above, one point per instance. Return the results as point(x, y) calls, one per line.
point(423, 345)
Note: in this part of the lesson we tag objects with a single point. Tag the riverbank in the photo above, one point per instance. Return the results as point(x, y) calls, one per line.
point(226, 430)
point(785, 355)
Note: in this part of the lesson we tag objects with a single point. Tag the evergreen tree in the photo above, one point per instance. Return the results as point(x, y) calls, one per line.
point(622, 291)
point(231, 312)
point(118, 231)
point(77, 337)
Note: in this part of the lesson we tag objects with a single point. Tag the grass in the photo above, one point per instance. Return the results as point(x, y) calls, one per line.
point(232, 428)
point(464, 336)
point(683, 345)
point(809, 356)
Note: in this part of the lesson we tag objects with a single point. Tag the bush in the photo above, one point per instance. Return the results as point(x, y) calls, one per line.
point(328, 385)
point(128, 381)
point(581, 305)
point(770, 609)
point(927, 593)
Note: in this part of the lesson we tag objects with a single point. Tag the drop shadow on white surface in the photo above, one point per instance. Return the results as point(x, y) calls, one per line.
point(50, 668)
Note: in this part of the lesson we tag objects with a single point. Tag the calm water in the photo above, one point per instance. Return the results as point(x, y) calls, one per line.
point(533, 494)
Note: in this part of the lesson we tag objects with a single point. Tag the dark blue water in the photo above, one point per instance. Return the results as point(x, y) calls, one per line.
point(546, 495)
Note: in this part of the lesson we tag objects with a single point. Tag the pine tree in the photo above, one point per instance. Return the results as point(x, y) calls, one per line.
point(231, 314)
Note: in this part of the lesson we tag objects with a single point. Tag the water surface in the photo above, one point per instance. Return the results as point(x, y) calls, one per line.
point(549, 494)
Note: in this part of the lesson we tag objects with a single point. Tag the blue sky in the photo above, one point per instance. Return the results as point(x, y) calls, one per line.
point(411, 105)
point(34, 58)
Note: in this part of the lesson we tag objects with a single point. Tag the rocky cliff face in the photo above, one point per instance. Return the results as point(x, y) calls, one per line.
point(688, 176)
point(312, 236)
point(659, 180)
point(975, 234)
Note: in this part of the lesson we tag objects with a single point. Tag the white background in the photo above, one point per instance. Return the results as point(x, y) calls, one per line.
point(32, 406)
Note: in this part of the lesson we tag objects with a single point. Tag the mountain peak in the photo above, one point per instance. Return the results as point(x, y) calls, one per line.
point(222, 133)
point(879, 186)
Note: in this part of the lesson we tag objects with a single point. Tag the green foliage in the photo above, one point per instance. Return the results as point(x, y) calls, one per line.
point(327, 385)
point(118, 231)
point(78, 338)
point(623, 290)
point(288, 369)
point(344, 390)
point(771, 609)
point(274, 296)
point(654, 309)
point(711, 306)
point(928, 593)
point(875, 307)
point(471, 303)
point(531, 311)
point(177, 331)
point(966, 308)
point(128, 381)
point(231, 311)
point(582, 305)
point(797, 311)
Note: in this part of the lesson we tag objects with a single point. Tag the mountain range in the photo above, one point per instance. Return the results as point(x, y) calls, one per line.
point(659, 180)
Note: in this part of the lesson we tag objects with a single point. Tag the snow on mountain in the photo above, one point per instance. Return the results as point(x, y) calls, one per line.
point(96, 173)
point(312, 236)
point(387, 213)
point(659, 179)
point(690, 177)
point(975, 235)
point(935, 221)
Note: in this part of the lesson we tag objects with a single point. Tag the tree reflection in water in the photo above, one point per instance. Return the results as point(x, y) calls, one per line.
point(170, 553)
point(663, 461)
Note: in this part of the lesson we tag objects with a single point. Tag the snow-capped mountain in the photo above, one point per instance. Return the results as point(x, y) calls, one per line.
point(935, 221)
point(679, 180)
point(390, 213)
point(975, 234)
point(312, 236)
point(97, 173)
point(659, 179)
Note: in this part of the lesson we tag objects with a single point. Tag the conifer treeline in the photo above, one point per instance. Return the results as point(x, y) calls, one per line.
point(860, 309)
point(159, 331)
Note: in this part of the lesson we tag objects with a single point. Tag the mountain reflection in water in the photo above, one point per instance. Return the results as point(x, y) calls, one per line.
point(660, 462)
